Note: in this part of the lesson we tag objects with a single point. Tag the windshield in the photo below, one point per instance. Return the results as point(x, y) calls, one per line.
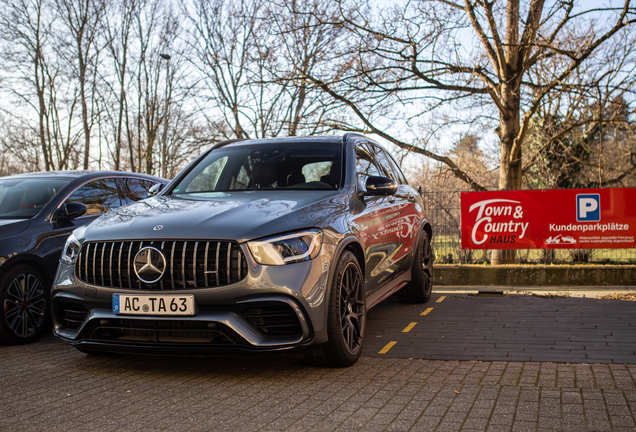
point(265, 166)
point(24, 198)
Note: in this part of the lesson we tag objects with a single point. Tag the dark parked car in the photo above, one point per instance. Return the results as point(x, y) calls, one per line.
point(260, 245)
point(37, 212)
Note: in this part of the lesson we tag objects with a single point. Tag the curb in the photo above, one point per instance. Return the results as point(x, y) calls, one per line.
point(569, 291)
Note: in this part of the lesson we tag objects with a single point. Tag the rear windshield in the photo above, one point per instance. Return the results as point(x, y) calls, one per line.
point(265, 166)
point(24, 198)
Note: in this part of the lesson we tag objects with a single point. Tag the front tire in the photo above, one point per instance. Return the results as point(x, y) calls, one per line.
point(347, 316)
point(421, 286)
point(25, 298)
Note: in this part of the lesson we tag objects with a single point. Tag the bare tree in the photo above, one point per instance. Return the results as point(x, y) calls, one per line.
point(83, 45)
point(464, 55)
point(303, 44)
point(583, 134)
point(36, 86)
point(119, 26)
point(223, 36)
point(25, 29)
point(247, 52)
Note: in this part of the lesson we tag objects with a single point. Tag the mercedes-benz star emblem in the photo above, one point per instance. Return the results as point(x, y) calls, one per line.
point(158, 228)
point(150, 264)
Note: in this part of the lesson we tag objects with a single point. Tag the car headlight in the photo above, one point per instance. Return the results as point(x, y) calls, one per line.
point(287, 249)
point(71, 250)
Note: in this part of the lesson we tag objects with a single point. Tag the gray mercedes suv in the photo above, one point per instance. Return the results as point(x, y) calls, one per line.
point(257, 246)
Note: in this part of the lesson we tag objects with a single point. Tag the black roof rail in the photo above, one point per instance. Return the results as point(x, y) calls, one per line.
point(346, 136)
point(226, 142)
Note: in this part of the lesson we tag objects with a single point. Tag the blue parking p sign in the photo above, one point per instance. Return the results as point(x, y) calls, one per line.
point(588, 208)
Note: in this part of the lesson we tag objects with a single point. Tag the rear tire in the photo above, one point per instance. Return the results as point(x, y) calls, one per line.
point(421, 286)
point(346, 321)
point(25, 298)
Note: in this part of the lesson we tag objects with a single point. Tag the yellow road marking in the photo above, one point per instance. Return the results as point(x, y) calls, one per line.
point(387, 347)
point(439, 300)
point(409, 327)
point(427, 311)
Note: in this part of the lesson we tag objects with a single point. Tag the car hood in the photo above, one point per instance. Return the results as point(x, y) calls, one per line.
point(239, 216)
point(13, 226)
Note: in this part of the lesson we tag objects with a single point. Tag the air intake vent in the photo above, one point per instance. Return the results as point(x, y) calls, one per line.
point(274, 319)
point(159, 332)
point(72, 314)
point(189, 264)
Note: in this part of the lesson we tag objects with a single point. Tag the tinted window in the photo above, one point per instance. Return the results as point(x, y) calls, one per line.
point(24, 198)
point(265, 166)
point(100, 196)
point(134, 189)
point(389, 165)
point(365, 164)
point(316, 171)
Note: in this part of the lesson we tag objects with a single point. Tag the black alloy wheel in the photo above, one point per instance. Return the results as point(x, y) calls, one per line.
point(24, 299)
point(352, 307)
point(421, 286)
point(347, 318)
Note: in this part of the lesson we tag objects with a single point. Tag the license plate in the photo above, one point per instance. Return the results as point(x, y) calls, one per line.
point(153, 304)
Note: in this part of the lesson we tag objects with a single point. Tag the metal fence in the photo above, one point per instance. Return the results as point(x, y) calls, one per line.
point(443, 209)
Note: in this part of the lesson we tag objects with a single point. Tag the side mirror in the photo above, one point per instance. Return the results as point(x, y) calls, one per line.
point(155, 189)
point(70, 211)
point(419, 189)
point(379, 186)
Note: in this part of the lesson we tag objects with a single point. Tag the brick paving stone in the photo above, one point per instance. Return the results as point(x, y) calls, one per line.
point(282, 392)
point(476, 423)
point(524, 426)
point(624, 421)
point(498, 428)
point(445, 426)
point(599, 425)
point(549, 423)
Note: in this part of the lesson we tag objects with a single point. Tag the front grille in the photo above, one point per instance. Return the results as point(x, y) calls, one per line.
point(189, 264)
point(274, 319)
point(159, 331)
point(73, 314)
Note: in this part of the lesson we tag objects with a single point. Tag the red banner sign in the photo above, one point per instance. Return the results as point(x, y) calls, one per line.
point(550, 219)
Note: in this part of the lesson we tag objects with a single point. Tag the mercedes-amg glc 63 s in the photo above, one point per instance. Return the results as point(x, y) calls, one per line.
point(258, 245)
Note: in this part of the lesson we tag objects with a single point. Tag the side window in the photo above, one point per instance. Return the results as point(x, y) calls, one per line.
point(387, 162)
point(384, 164)
point(100, 196)
point(365, 165)
point(134, 189)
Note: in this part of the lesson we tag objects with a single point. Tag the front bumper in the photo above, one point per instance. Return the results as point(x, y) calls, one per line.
point(273, 308)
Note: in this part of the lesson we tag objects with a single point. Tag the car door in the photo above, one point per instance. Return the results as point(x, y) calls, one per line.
point(406, 224)
point(100, 196)
point(376, 223)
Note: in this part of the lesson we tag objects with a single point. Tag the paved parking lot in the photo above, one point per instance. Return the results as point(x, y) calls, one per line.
point(49, 386)
point(507, 328)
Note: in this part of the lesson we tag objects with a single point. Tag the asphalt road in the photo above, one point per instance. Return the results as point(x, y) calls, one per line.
point(506, 328)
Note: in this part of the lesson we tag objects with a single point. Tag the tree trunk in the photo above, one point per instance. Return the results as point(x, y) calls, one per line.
point(120, 119)
point(42, 110)
point(510, 172)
